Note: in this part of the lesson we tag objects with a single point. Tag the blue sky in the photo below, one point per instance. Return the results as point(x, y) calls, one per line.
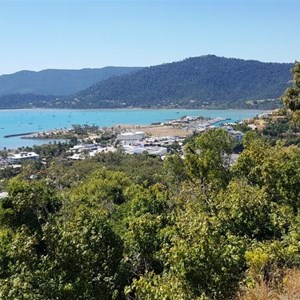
point(69, 34)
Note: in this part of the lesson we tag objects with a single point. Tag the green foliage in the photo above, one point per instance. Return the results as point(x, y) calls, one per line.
point(86, 256)
point(140, 221)
point(276, 169)
point(275, 129)
point(103, 188)
point(24, 101)
point(175, 170)
point(51, 150)
point(291, 97)
point(83, 261)
point(143, 200)
point(207, 80)
point(209, 157)
point(284, 130)
point(203, 257)
point(65, 174)
point(135, 227)
point(247, 211)
point(142, 169)
point(8, 172)
point(157, 287)
point(29, 203)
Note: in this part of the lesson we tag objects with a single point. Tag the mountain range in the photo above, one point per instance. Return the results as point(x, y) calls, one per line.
point(205, 81)
point(57, 82)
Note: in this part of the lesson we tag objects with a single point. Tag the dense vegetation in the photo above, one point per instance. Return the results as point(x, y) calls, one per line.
point(135, 227)
point(291, 97)
point(285, 126)
point(206, 80)
point(56, 82)
point(25, 101)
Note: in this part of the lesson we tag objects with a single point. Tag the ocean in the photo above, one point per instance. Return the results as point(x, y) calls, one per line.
point(33, 120)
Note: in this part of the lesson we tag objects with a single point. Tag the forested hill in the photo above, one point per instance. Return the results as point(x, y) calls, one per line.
point(190, 83)
point(57, 82)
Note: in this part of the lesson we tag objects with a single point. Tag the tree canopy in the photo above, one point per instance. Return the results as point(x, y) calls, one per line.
point(130, 227)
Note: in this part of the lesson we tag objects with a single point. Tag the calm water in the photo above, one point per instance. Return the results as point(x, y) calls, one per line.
point(23, 121)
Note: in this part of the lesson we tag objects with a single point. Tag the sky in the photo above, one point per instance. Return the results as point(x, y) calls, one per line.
point(75, 34)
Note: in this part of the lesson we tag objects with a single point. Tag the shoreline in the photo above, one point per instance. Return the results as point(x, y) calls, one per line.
point(20, 121)
point(172, 127)
point(129, 109)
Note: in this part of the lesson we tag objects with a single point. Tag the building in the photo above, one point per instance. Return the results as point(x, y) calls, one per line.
point(84, 147)
point(23, 156)
point(128, 138)
point(160, 151)
point(237, 134)
point(103, 150)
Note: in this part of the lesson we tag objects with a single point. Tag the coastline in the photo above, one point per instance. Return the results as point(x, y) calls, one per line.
point(19, 121)
point(130, 109)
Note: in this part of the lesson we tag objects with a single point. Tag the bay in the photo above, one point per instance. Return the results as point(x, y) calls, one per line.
point(33, 120)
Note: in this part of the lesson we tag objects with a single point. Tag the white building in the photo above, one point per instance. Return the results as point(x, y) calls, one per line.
point(131, 137)
point(77, 156)
point(23, 156)
point(103, 150)
point(237, 134)
point(84, 147)
point(161, 151)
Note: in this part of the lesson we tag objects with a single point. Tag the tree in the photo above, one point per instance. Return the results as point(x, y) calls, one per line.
point(140, 221)
point(291, 97)
point(274, 169)
point(199, 262)
point(29, 203)
point(208, 159)
point(103, 188)
point(175, 171)
point(83, 260)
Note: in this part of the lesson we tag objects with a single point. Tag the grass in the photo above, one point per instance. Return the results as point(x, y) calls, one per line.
point(289, 289)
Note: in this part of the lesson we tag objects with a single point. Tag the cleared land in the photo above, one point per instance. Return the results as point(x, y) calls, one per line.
point(165, 131)
point(157, 130)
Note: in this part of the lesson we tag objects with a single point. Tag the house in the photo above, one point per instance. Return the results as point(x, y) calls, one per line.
point(160, 151)
point(237, 134)
point(84, 147)
point(128, 138)
point(23, 156)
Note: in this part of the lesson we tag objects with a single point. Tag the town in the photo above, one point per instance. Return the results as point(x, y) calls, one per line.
point(156, 139)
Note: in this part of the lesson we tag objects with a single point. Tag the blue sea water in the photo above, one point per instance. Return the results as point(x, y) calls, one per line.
point(32, 120)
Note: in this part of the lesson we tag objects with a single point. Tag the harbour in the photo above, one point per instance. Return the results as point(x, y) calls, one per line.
point(16, 122)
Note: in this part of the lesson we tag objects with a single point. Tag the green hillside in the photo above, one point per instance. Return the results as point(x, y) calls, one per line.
point(190, 83)
point(206, 81)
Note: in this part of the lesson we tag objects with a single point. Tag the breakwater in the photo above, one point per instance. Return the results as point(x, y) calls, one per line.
point(18, 134)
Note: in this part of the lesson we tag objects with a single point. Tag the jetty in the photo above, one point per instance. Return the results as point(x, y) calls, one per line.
point(18, 134)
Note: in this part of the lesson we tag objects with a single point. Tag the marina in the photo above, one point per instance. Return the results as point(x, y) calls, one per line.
point(14, 123)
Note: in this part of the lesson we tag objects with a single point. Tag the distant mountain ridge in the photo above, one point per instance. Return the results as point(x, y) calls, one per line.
point(191, 83)
point(205, 81)
point(57, 82)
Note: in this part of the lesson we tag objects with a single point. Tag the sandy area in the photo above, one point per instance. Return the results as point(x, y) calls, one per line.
point(165, 131)
point(156, 130)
